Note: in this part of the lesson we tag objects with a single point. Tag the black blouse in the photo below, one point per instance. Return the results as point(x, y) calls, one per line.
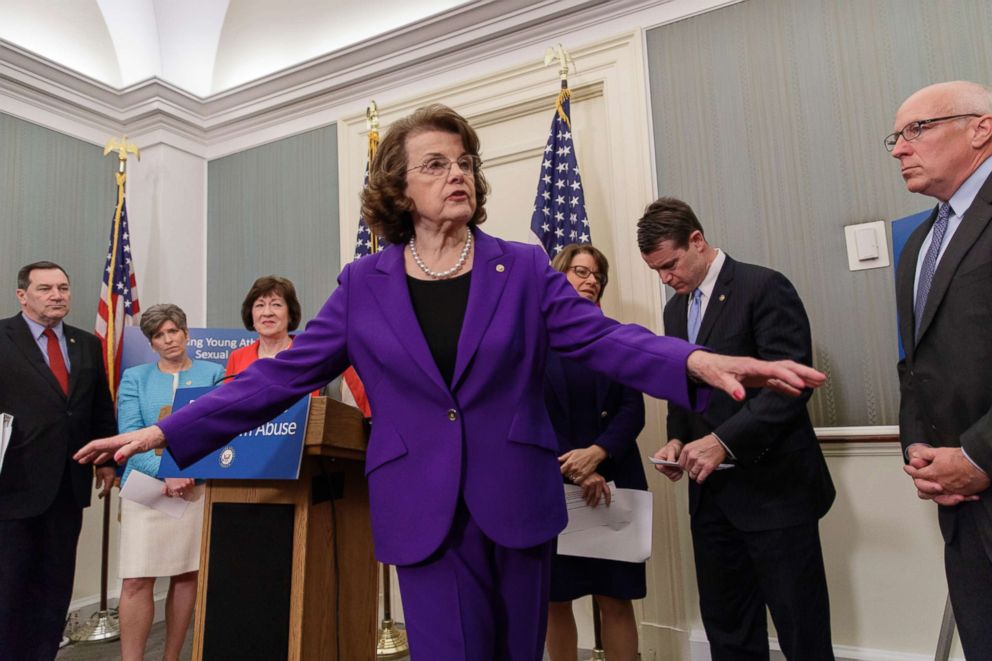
point(440, 308)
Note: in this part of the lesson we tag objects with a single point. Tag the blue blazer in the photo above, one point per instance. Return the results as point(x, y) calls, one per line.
point(618, 419)
point(487, 438)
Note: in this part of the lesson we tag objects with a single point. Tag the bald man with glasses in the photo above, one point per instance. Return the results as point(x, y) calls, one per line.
point(943, 141)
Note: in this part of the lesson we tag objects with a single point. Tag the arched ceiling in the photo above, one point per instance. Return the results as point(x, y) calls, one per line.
point(201, 46)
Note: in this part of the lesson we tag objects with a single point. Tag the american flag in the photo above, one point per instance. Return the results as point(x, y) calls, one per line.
point(559, 216)
point(363, 245)
point(118, 294)
point(366, 243)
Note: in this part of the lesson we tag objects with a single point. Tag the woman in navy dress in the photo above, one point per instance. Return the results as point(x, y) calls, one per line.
point(597, 422)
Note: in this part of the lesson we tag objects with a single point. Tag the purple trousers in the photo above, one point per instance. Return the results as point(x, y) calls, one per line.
point(474, 600)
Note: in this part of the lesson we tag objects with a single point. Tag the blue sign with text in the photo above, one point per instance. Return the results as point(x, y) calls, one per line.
point(213, 344)
point(271, 451)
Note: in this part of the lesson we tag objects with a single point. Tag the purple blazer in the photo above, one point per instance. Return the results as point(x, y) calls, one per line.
point(488, 438)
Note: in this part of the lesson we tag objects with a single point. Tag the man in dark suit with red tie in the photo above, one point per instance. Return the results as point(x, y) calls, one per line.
point(755, 531)
point(943, 141)
point(55, 386)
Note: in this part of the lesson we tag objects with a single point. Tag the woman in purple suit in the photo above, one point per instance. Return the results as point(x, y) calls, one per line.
point(449, 330)
point(597, 421)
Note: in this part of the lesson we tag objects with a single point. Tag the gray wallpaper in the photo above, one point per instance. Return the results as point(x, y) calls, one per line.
point(273, 210)
point(57, 197)
point(769, 117)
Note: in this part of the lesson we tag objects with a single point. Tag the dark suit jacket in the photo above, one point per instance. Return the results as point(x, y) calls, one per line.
point(946, 387)
point(619, 419)
point(48, 426)
point(781, 478)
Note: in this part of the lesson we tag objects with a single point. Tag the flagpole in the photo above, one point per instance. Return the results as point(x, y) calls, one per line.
point(549, 223)
point(392, 642)
point(104, 625)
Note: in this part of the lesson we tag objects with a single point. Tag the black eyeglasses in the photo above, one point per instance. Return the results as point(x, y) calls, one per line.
point(438, 166)
point(584, 273)
point(913, 130)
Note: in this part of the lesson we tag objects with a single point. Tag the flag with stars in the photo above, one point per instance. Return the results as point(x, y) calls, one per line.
point(366, 243)
point(118, 295)
point(559, 216)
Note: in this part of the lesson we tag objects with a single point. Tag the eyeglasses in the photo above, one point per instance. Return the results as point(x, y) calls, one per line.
point(438, 166)
point(584, 273)
point(913, 130)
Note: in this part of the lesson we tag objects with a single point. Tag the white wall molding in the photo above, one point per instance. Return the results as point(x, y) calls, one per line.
point(880, 449)
point(479, 36)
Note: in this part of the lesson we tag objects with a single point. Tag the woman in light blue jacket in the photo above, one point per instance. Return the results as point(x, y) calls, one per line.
point(153, 543)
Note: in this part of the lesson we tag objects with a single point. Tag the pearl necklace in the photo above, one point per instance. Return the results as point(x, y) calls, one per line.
point(441, 275)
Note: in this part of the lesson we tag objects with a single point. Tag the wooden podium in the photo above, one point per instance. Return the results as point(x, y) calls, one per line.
point(287, 568)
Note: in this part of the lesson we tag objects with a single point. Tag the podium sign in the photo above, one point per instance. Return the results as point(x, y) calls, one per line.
point(211, 344)
point(271, 451)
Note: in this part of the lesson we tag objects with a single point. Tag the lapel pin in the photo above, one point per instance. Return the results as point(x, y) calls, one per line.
point(72, 340)
point(189, 383)
point(723, 297)
point(500, 268)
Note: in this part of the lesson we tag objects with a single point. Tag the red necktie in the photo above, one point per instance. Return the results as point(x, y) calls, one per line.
point(56, 361)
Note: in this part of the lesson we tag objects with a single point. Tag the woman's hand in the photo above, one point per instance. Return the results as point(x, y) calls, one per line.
point(120, 447)
point(175, 487)
point(594, 488)
point(732, 374)
point(577, 465)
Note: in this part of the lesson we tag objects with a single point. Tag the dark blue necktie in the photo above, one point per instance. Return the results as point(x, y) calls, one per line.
point(695, 307)
point(930, 263)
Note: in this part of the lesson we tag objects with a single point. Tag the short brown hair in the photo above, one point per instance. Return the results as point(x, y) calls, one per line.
point(272, 284)
point(563, 260)
point(667, 218)
point(385, 206)
point(153, 318)
point(24, 274)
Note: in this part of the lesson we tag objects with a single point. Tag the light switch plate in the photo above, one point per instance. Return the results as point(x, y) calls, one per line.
point(855, 232)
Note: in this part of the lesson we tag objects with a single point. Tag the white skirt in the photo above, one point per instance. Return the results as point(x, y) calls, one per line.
point(156, 544)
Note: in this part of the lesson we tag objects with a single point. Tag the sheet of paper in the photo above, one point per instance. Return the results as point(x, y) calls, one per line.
point(621, 531)
point(147, 490)
point(582, 517)
point(675, 464)
point(6, 429)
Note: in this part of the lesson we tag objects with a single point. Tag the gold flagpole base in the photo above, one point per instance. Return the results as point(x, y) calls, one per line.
point(392, 642)
point(598, 655)
point(101, 627)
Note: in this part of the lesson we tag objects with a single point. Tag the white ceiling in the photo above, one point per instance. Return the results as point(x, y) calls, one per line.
point(201, 46)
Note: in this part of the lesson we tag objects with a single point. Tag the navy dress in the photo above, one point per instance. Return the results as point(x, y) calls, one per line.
point(587, 408)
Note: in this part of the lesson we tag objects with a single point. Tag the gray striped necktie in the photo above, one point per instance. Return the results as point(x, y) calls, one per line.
point(930, 263)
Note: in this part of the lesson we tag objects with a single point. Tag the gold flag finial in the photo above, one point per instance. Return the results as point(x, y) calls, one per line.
point(123, 148)
point(372, 116)
point(564, 60)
